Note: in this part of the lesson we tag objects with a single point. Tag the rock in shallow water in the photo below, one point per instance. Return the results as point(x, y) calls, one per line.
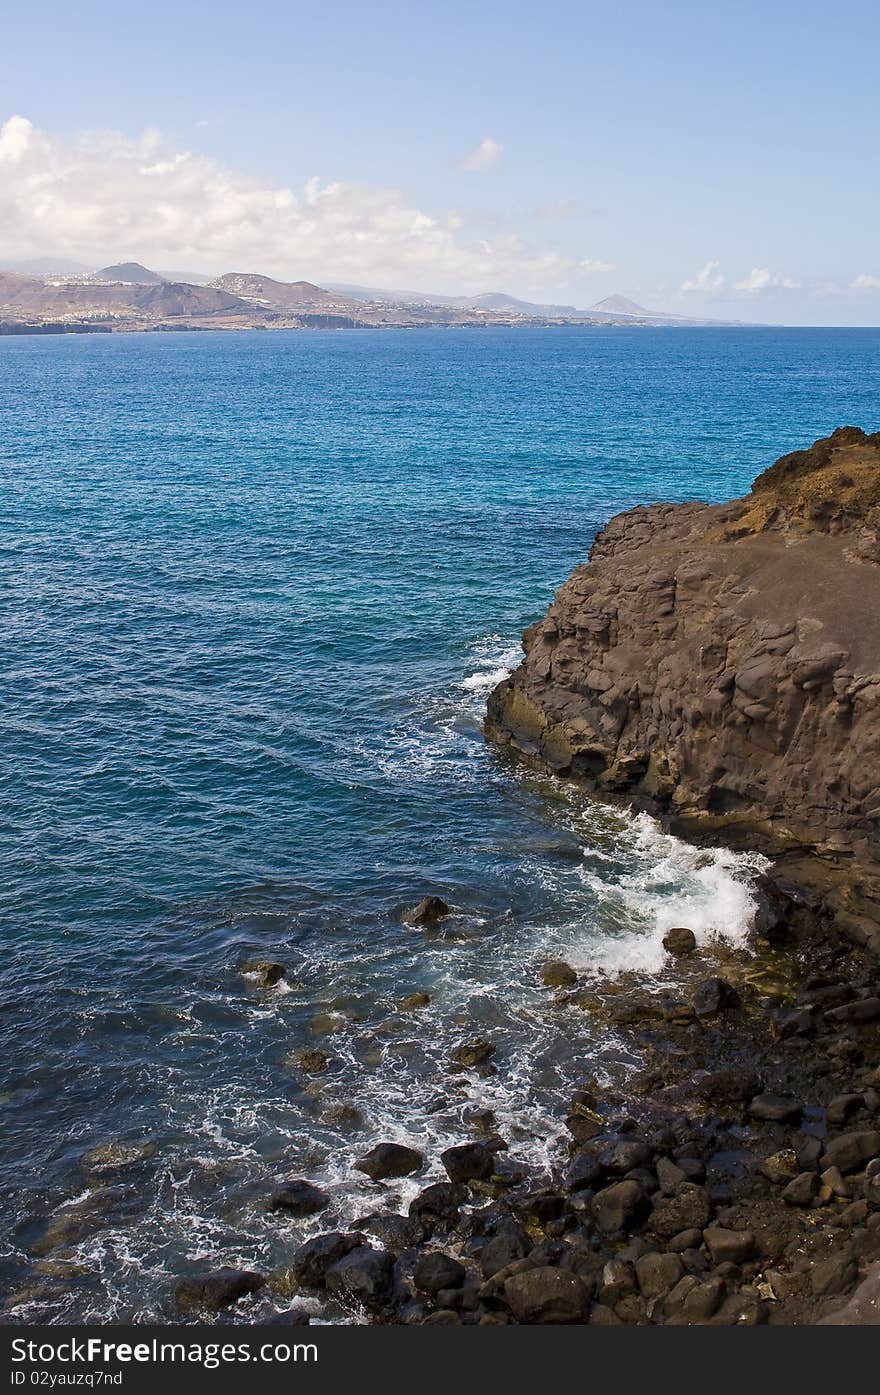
point(299, 1198)
point(390, 1160)
point(211, 1292)
point(430, 911)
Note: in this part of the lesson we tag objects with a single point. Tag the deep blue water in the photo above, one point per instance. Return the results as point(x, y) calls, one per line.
point(253, 591)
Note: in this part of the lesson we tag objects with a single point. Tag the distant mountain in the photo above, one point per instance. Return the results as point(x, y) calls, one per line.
point(281, 295)
point(620, 305)
point(129, 274)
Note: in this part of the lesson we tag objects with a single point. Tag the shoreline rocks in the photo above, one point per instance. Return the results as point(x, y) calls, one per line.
point(719, 665)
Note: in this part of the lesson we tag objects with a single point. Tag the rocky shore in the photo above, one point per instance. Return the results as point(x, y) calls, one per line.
point(718, 666)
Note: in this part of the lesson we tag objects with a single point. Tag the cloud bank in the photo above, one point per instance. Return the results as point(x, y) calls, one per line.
point(103, 194)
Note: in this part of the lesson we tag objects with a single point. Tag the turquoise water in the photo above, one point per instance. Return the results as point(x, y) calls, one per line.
point(253, 591)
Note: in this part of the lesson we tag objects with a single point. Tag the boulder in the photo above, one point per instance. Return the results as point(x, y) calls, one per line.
point(439, 1205)
point(687, 1210)
point(714, 995)
point(658, 1273)
point(851, 1151)
point(546, 1295)
point(436, 1271)
point(390, 1160)
point(557, 974)
point(312, 1260)
point(774, 1109)
point(430, 911)
point(472, 1053)
point(220, 1289)
point(364, 1276)
point(728, 1246)
point(468, 1162)
point(679, 942)
point(620, 1206)
point(299, 1198)
point(413, 1001)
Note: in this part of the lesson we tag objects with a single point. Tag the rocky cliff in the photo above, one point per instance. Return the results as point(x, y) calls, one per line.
point(721, 664)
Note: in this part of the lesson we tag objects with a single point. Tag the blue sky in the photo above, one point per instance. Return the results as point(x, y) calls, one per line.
point(717, 160)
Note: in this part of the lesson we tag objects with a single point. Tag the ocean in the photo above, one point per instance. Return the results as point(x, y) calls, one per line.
point(254, 590)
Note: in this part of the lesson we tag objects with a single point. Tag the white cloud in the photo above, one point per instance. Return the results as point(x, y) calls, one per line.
point(708, 278)
point(101, 195)
point(761, 278)
point(591, 264)
point(486, 156)
point(864, 282)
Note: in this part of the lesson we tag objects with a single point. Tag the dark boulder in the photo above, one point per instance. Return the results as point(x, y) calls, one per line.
point(439, 1205)
point(364, 1275)
point(728, 1246)
point(687, 1210)
point(430, 911)
point(774, 1109)
point(436, 1271)
point(620, 1206)
point(557, 974)
point(299, 1198)
point(547, 1295)
point(312, 1260)
point(506, 1248)
point(266, 971)
point(472, 1053)
point(715, 995)
point(211, 1292)
point(850, 1151)
point(468, 1162)
point(390, 1160)
point(679, 942)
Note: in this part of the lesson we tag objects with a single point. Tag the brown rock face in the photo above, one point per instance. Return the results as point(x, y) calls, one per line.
point(722, 663)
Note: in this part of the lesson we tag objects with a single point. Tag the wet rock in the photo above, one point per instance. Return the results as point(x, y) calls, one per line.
point(715, 995)
point(728, 1246)
point(299, 1198)
point(833, 1180)
point(557, 974)
point(413, 1001)
point(850, 1151)
point(267, 972)
point(679, 942)
point(619, 1154)
point(546, 1295)
point(774, 1109)
point(390, 1160)
point(439, 1205)
point(393, 1231)
point(584, 1171)
point(801, 1190)
point(430, 911)
point(657, 1274)
point(863, 1308)
point(620, 1206)
point(467, 1162)
point(312, 1260)
point(116, 1155)
point(443, 1317)
point(312, 1062)
point(211, 1292)
point(503, 1249)
point(436, 1271)
point(472, 1053)
point(364, 1275)
point(687, 1210)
